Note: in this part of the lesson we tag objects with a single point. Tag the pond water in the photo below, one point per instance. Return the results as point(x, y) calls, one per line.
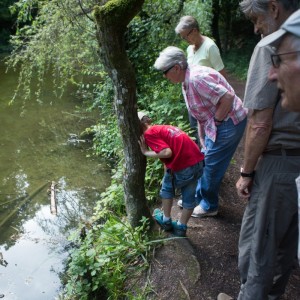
point(37, 148)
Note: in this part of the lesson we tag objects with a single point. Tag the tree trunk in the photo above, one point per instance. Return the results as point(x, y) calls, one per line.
point(112, 17)
point(227, 16)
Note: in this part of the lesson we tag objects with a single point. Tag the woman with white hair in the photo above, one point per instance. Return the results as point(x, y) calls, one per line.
point(202, 50)
point(220, 116)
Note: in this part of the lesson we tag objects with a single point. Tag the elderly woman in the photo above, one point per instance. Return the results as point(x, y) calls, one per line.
point(220, 116)
point(201, 50)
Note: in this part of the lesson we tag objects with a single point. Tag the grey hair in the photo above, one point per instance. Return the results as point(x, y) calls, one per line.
point(187, 22)
point(254, 7)
point(169, 57)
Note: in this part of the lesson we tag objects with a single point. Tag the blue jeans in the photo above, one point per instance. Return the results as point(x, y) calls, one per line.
point(218, 155)
point(186, 180)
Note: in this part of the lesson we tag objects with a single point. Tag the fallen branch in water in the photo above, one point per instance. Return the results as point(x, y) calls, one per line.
point(77, 116)
point(53, 207)
point(26, 199)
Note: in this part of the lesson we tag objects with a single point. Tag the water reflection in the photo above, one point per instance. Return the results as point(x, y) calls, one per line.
point(36, 150)
point(34, 261)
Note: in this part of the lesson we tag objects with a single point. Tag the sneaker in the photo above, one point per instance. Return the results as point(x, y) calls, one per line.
point(199, 212)
point(223, 296)
point(179, 203)
point(179, 230)
point(158, 216)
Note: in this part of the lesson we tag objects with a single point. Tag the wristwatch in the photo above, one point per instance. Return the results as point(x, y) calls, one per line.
point(250, 175)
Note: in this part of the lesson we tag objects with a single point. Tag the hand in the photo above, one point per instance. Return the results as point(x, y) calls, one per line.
point(243, 187)
point(202, 143)
point(143, 145)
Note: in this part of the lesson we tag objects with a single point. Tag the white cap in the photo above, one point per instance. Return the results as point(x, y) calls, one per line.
point(141, 115)
point(291, 25)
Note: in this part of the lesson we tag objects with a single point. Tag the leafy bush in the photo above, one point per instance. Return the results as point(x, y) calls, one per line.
point(112, 200)
point(110, 253)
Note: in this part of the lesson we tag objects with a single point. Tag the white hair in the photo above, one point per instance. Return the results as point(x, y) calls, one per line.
point(169, 57)
point(254, 7)
point(187, 22)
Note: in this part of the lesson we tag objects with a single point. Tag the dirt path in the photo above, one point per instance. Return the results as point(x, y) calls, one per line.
point(206, 264)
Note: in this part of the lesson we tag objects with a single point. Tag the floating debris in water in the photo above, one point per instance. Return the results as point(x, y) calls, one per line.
point(74, 139)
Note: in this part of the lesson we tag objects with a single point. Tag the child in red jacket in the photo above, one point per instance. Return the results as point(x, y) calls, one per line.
point(183, 164)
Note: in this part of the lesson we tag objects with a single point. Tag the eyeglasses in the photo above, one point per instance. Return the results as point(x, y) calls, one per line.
point(166, 71)
point(187, 35)
point(276, 58)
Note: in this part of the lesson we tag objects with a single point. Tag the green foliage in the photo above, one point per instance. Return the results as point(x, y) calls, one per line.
point(107, 141)
point(202, 11)
point(150, 32)
point(112, 200)
point(24, 10)
point(237, 61)
point(110, 254)
point(153, 176)
point(106, 138)
point(59, 40)
point(166, 104)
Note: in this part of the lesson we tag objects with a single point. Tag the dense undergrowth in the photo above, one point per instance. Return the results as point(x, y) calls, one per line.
point(107, 254)
point(59, 40)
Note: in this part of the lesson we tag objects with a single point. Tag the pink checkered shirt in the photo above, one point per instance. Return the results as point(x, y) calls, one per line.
point(202, 89)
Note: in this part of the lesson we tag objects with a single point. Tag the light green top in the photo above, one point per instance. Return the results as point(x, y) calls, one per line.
point(207, 55)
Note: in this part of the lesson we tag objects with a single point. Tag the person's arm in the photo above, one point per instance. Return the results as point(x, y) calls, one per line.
point(165, 153)
point(257, 135)
point(215, 59)
point(224, 106)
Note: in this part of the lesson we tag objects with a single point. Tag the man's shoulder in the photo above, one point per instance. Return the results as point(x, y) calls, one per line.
point(260, 92)
point(262, 53)
point(209, 41)
point(209, 45)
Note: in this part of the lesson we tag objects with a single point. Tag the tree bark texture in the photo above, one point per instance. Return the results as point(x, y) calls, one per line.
point(112, 18)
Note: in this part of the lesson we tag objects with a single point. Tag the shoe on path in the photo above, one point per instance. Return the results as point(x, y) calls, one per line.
point(199, 212)
point(179, 230)
point(158, 216)
point(223, 296)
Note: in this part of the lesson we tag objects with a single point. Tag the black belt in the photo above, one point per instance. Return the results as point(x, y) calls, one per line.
point(284, 152)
